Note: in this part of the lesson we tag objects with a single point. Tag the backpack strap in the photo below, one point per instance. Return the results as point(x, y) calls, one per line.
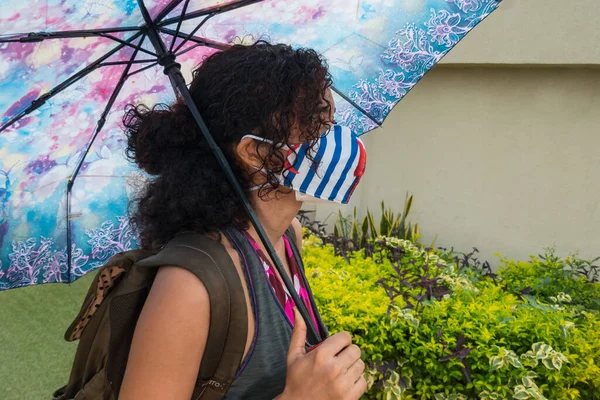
point(210, 262)
point(291, 234)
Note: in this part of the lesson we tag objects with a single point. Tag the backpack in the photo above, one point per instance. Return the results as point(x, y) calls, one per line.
point(108, 316)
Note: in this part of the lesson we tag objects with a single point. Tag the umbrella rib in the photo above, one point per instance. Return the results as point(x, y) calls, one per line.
point(37, 103)
point(187, 49)
point(99, 126)
point(359, 108)
point(196, 39)
point(105, 33)
point(154, 64)
point(208, 13)
point(209, 10)
point(106, 64)
point(192, 47)
point(40, 36)
point(185, 6)
point(191, 34)
point(123, 42)
point(165, 11)
point(40, 101)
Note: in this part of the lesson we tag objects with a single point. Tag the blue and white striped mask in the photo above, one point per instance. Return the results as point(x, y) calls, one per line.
point(339, 163)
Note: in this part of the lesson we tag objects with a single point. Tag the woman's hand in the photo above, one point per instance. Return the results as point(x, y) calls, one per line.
point(332, 371)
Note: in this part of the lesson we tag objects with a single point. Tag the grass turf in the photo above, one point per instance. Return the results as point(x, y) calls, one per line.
point(35, 359)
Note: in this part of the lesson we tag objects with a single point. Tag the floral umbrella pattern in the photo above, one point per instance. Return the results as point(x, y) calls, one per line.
point(65, 184)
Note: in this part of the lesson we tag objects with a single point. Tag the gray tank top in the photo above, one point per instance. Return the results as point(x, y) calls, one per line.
point(261, 375)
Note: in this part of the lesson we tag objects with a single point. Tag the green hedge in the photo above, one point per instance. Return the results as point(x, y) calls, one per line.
point(546, 275)
point(431, 330)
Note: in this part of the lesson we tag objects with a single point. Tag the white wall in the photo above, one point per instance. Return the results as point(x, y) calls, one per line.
point(504, 159)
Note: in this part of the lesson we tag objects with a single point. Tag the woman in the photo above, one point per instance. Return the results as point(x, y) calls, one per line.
point(264, 105)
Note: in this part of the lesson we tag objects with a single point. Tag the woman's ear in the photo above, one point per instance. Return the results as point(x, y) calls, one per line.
point(248, 152)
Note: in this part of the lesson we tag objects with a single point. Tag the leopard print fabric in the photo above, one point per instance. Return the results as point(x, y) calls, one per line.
point(108, 278)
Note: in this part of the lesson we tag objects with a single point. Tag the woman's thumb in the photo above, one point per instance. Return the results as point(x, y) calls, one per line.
point(298, 341)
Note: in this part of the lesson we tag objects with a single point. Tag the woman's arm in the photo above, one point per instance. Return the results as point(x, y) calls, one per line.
point(169, 338)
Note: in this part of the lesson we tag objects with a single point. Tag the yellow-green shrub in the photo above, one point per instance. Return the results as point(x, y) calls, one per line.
point(476, 342)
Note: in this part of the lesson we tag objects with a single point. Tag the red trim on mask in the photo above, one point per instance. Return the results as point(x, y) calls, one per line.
point(362, 160)
point(287, 166)
point(359, 171)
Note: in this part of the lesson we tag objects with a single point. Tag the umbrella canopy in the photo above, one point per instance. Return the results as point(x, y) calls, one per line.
point(68, 68)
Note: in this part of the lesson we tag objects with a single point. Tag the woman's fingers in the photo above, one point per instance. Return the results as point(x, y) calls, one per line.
point(358, 389)
point(349, 356)
point(355, 372)
point(335, 344)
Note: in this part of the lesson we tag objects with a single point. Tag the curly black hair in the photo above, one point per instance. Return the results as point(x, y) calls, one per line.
point(264, 89)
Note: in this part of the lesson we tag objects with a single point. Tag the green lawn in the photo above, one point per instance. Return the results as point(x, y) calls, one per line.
point(34, 358)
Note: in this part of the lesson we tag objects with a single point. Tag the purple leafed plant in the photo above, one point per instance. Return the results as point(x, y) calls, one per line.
point(470, 261)
point(460, 352)
point(316, 227)
point(413, 283)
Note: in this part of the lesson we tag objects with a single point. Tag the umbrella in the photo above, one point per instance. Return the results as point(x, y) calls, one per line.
point(68, 68)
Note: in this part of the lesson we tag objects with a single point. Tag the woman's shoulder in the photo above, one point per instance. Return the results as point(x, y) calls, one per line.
point(181, 283)
point(178, 286)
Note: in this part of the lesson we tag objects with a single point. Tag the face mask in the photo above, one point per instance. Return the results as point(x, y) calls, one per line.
point(339, 164)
